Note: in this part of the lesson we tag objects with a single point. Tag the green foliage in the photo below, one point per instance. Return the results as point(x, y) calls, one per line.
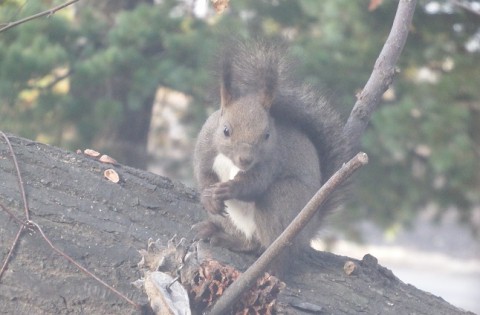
point(423, 144)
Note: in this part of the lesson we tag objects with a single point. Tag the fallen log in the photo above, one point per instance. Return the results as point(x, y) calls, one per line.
point(102, 225)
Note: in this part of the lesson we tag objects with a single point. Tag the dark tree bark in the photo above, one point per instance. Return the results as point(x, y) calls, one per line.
point(102, 225)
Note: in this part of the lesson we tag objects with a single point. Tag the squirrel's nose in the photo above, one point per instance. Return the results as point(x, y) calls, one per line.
point(245, 162)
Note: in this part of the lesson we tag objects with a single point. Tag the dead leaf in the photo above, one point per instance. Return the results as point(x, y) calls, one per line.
point(220, 5)
point(166, 296)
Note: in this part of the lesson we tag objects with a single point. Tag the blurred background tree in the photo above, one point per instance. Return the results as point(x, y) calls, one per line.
point(88, 76)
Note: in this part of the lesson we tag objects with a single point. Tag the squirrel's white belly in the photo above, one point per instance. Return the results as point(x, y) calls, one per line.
point(240, 212)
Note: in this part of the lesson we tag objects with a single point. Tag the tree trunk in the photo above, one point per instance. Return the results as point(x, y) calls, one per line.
point(102, 225)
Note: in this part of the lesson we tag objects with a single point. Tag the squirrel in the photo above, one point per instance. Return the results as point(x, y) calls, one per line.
point(261, 157)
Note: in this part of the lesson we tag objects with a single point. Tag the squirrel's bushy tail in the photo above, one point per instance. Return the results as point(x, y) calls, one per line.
point(250, 66)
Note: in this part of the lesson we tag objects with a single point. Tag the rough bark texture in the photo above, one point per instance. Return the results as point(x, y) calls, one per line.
point(102, 225)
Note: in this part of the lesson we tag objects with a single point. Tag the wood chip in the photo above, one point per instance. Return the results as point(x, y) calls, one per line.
point(111, 175)
point(350, 268)
point(107, 159)
point(91, 153)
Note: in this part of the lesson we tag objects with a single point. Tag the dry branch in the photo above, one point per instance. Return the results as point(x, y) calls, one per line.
point(382, 75)
point(47, 13)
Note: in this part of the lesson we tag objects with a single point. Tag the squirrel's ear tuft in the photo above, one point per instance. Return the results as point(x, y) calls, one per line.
point(225, 95)
point(270, 85)
point(226, 84)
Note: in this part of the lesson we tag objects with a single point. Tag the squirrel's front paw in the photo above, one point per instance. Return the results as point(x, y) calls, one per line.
point(212, 204)
point(224, 190)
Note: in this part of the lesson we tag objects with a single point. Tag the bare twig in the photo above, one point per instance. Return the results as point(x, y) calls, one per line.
point(382, 75)
point(19, 176)
point(247, 279)
point(20, 222)
point(47, 13)
point(22, 190)
point(31, 224)
point(12, 248)
point(85, 270)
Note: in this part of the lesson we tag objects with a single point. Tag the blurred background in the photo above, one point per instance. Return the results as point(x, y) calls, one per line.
point(132, 79)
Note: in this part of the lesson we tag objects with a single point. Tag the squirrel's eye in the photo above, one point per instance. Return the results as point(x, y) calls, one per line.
point(226, 131)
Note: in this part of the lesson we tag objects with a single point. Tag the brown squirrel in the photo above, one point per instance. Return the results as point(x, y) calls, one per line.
point(265, 152)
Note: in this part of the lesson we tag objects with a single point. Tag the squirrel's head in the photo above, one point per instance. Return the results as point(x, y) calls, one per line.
point(246, 131)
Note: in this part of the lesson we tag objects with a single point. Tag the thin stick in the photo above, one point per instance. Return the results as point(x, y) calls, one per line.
point(19, 176)
point(47, 12)
point(29, 223)
point(19, 221)
point(248, 278)
point(14, 243)
point(85, 270)
point(12, 248)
